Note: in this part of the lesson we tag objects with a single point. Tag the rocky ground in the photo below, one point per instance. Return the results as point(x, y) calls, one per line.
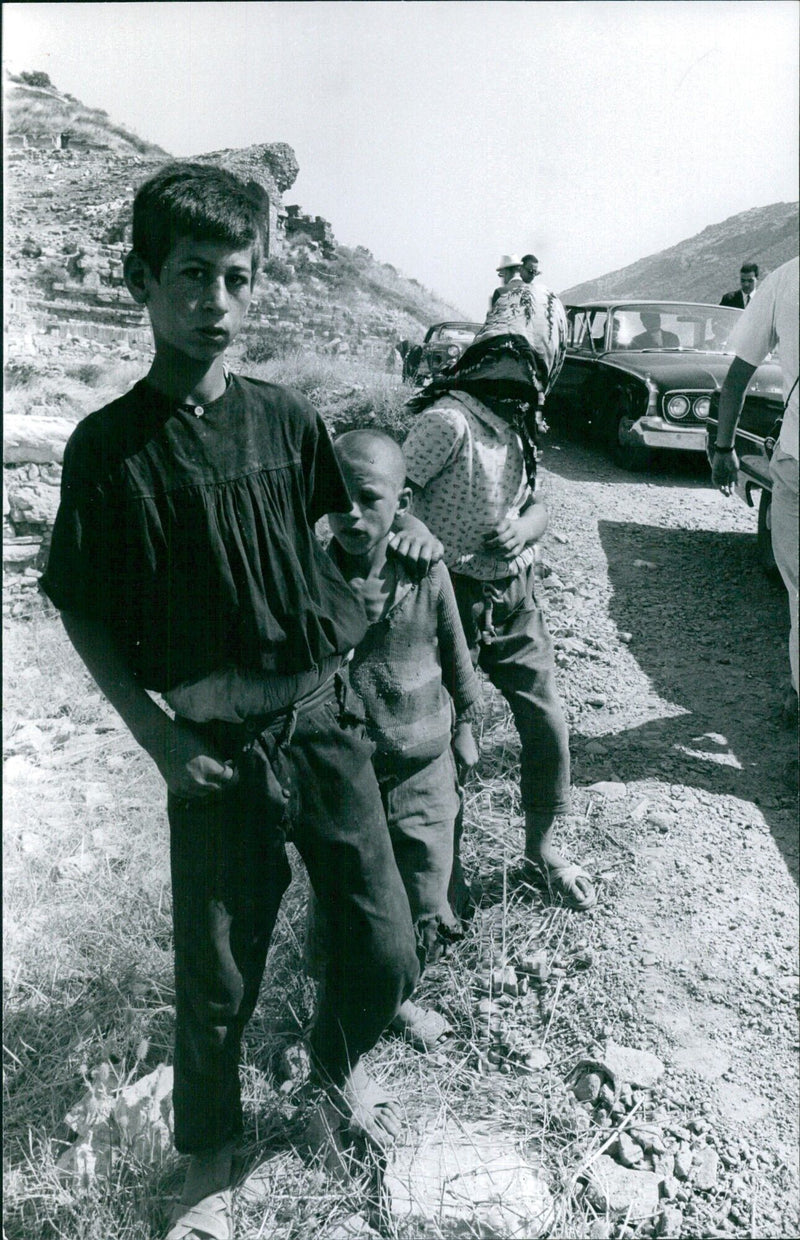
point(639, 1061)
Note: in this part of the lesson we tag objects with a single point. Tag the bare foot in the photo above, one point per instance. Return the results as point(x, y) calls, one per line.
point(564, 879)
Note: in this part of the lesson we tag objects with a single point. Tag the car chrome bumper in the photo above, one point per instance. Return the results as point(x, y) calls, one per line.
point(655, 432)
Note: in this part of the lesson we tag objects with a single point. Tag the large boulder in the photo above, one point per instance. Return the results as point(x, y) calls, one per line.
point(273, 165)
point(34, 438)
point(461, 1180)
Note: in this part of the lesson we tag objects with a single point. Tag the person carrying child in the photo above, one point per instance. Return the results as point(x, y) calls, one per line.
point(414, 676)
point(471, 464)
point(184, 563)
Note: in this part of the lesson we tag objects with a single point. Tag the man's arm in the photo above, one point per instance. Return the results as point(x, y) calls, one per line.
point(188, 767)
point(724, 465)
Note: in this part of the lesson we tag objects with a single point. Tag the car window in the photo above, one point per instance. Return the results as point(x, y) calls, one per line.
point(461, 335)
point(665, 327)
point(589, 330)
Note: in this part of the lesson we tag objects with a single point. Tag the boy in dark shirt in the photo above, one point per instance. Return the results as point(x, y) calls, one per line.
point(184, 562)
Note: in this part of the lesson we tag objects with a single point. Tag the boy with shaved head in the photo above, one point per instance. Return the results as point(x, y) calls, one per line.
point(415, 678)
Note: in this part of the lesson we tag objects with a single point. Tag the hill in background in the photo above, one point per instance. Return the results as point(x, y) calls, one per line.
point(703, 267)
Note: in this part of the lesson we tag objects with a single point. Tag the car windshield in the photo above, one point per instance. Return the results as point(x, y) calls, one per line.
point(694, 329)
point(461, 335)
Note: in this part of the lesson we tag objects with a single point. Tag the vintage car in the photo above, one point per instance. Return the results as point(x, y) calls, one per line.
point(443, 344)
point(639, 375)
point(756, 436)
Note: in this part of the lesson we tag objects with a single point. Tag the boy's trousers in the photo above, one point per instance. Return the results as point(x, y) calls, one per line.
point(509, 640)
point(308, 778)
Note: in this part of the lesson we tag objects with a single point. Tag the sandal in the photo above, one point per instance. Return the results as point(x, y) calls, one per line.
point(427, 1031)
point(209, 1219)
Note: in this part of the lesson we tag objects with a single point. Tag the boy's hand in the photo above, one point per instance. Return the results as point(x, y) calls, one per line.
point(508, 538)
point(190, 770)
point(465, 749)
point(414, 544)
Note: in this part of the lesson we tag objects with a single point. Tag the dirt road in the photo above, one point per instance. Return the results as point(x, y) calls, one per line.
point(673, 660)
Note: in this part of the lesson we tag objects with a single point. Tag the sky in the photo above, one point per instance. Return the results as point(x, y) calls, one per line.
point(442, 134)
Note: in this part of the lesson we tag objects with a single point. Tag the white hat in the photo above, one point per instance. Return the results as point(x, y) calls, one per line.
point(509, 260)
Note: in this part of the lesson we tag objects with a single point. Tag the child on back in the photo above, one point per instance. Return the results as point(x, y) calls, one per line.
point(471, 462)
point(184, 563)
point(413, 674)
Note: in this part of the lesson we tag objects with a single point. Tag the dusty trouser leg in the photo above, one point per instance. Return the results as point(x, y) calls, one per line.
point(342, 836)
point(421, 804)
point(518, 659)
point(229, 872)
point(784, 470)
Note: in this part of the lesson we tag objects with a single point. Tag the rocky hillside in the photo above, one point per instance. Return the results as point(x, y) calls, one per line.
point(71, 175)
point(704, 267)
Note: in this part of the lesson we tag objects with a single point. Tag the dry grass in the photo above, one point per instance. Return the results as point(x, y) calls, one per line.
point(88, 976)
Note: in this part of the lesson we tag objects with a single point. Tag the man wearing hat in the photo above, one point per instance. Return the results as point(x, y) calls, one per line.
point(509, 270)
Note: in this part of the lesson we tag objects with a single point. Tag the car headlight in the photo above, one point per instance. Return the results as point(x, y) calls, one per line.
point(701, 407)
point(678, 406)
point(453, 350)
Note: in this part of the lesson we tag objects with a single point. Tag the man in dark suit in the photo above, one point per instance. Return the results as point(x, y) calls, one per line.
point(748, 279)
point(653, 337)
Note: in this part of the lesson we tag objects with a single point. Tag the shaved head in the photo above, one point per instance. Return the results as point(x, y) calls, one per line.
point(376, 448)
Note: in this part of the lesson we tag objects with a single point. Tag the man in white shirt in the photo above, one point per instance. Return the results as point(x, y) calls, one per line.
point(771, 319)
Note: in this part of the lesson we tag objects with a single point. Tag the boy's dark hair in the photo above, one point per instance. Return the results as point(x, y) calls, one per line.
point(749, 267)
point(199, 201)
point(529, 258)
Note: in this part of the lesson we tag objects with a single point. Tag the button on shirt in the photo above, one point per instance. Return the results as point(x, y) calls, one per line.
point(470, 467)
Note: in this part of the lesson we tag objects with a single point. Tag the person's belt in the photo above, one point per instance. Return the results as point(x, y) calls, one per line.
point(282, 722)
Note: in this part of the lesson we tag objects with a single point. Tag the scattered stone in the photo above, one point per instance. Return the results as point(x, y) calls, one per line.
point(464, 1177)
point(664, 1164)
point(706, 1162)
point(96, 794)
point(596, 699)
point(663, 822)
point(504, 981)
point(630, 1153)
point(638, 1068)
point(143, 1114)
point(670, 1187)
point(625, 637)
point(650, 1137)
point(18, 770)
point(622, 1190)
point(644, 564)
point(683, 1162)
point(670, 1225)
point(587, 1088)
point(536, 1059)
point(29, 739)
point(612, 790)
point(599, 1229)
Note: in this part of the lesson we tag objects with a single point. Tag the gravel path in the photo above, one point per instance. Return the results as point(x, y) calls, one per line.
point(671, 645)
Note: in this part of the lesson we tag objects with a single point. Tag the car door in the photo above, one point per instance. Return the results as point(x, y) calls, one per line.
point(585, 328)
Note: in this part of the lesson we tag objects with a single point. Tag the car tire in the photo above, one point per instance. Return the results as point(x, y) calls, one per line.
point(766, 557)
point(631, 456)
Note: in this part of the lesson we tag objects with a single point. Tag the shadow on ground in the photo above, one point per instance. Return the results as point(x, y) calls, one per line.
point(710, 631)
point(579, 461)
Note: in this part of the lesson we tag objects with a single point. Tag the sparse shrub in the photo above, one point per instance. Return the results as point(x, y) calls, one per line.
point(277, 269)
point(36, 78)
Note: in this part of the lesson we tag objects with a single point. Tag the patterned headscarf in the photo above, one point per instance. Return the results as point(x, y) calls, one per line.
point(512, 363)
